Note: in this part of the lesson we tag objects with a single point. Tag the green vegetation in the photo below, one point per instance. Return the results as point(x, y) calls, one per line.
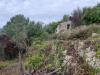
point(65, 18)
point(3, 65)
point(7, 63)
point(97, 45)
point(35, 62)
point(45, 47)
point(40, 45)
point(92, 15)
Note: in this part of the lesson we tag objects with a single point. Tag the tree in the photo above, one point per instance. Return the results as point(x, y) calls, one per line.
point(65, 18)
point(35, 30)
point(50, 28)
point(16, 27)
point(92, 15)
point(77, 17)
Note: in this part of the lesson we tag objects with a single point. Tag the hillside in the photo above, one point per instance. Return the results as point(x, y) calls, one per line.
point(68, 54)
point(70, 46)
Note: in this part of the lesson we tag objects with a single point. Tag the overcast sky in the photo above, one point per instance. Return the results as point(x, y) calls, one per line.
point(40, 10)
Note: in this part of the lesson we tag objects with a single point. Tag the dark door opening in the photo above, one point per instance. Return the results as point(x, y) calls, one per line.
point(68, 26)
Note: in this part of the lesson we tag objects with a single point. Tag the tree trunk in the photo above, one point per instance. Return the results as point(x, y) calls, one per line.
point(20, 64)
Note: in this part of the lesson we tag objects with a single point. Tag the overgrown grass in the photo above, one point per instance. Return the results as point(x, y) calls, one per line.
point(95, 41)
point(7, 63)
point(3, 65)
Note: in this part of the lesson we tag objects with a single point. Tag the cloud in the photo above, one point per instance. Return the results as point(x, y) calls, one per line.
point(40, 10)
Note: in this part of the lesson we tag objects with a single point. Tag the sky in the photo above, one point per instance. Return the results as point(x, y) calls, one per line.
point(40, 10)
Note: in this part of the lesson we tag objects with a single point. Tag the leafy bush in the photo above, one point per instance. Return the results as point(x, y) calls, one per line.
point(96, 29)
point(95, 41)
point(3, 65)
point(98, 50)
point(56, 57)
point(39, 45)
point(91, 15)
point(98, 53)
point(88, 69)
point(82, 34)
point(35, 62)
point(77, 33)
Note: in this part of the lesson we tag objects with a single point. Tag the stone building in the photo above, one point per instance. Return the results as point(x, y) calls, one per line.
point(65, 26)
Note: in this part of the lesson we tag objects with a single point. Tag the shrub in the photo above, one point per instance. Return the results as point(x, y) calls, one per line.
point(35, 62)
point(96, 30)
point(81, 34)
point(95, 41)
point(56, 57)
point(77, 33)
point(3, 65)
point(39, 45)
